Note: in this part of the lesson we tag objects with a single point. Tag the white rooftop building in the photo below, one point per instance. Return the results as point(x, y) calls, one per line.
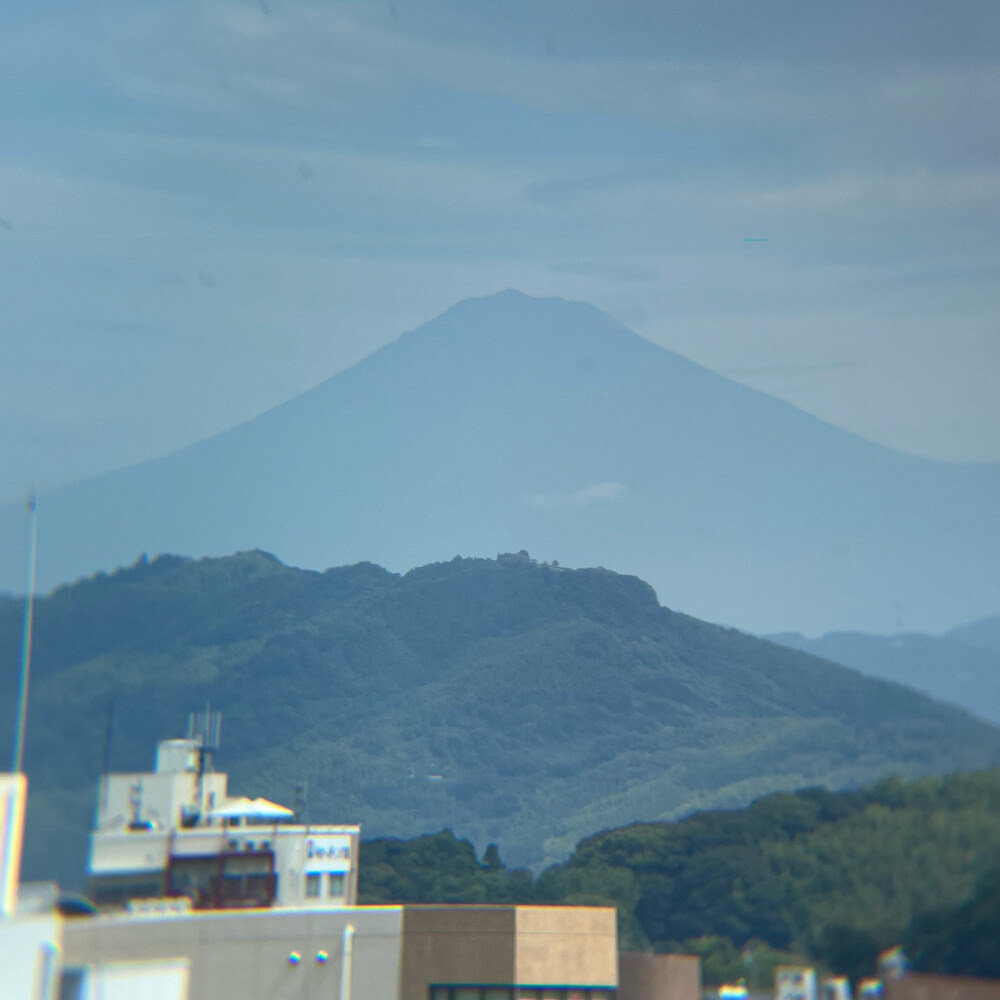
point(176, 832)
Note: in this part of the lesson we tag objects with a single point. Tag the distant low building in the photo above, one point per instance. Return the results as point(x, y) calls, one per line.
point(924, 986)
point(646, 976)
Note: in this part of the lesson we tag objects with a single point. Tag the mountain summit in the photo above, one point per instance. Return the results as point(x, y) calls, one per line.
point(515, 423)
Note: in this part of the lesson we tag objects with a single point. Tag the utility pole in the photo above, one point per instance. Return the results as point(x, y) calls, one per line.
point(17, 760)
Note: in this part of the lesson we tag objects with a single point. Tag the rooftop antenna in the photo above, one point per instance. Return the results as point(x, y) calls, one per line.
point(17, 760)
point(301, 800)
point(135, 806)
point(106, 761)
point(205, 728)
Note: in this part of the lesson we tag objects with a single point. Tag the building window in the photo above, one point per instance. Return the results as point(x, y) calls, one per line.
point(313, 883)
point(335, 885)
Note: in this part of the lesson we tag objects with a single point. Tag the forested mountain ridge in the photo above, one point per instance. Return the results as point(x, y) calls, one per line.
point(514, 701)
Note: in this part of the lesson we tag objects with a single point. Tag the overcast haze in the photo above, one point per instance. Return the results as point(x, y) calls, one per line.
point(207, 208)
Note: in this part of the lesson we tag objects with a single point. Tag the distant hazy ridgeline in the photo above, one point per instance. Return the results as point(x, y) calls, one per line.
point(960, 667)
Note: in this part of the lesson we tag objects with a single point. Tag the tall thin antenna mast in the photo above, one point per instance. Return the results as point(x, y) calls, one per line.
point(205, 728)
point(29, 615)
point(106, 762)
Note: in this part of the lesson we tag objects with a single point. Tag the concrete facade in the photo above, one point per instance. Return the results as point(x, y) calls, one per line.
point(396, 952)
point(566, 946)
point(161, 980)
point(923, 986)
point(253, 955)
point(645, 976)
point(553, 950)
point(29, 956)
point(457, 945)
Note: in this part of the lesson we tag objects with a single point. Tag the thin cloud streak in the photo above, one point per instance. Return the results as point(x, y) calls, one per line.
point(597, 493)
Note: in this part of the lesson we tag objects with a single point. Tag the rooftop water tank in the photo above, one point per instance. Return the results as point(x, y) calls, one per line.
point(177, 756)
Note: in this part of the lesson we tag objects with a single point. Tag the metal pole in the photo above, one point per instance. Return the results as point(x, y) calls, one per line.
point(346, 961)
point(29, 614)
point(102, 801)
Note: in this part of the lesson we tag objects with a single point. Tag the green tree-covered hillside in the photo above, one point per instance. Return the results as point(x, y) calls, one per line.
point(514, 702)
point(837, 877)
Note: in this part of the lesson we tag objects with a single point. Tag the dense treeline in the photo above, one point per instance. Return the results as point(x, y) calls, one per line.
point(837, 877)
point(961, 939)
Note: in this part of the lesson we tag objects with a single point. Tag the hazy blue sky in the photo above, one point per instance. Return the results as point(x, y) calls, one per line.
point(207, 207)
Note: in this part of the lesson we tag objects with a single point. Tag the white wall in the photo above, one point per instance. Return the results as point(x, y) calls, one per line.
point(162, 980)
point(29, 957)
point(162, 796)
point(248, 955)
point(13, 796)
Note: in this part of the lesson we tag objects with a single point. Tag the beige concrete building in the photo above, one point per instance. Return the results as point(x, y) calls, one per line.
point(924, 986)
point(508, 953)
point(367, 952)
point(645, 976)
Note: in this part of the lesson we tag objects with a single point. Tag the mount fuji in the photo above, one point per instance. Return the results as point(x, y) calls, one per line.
point(513, 423)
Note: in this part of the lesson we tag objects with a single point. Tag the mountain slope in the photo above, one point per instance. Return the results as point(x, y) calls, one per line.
point(510, 700)
point(946, 667)
point(511, 423)
point(984, 633)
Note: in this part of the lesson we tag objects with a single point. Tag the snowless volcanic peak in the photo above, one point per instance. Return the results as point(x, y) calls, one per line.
point(513, 423)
